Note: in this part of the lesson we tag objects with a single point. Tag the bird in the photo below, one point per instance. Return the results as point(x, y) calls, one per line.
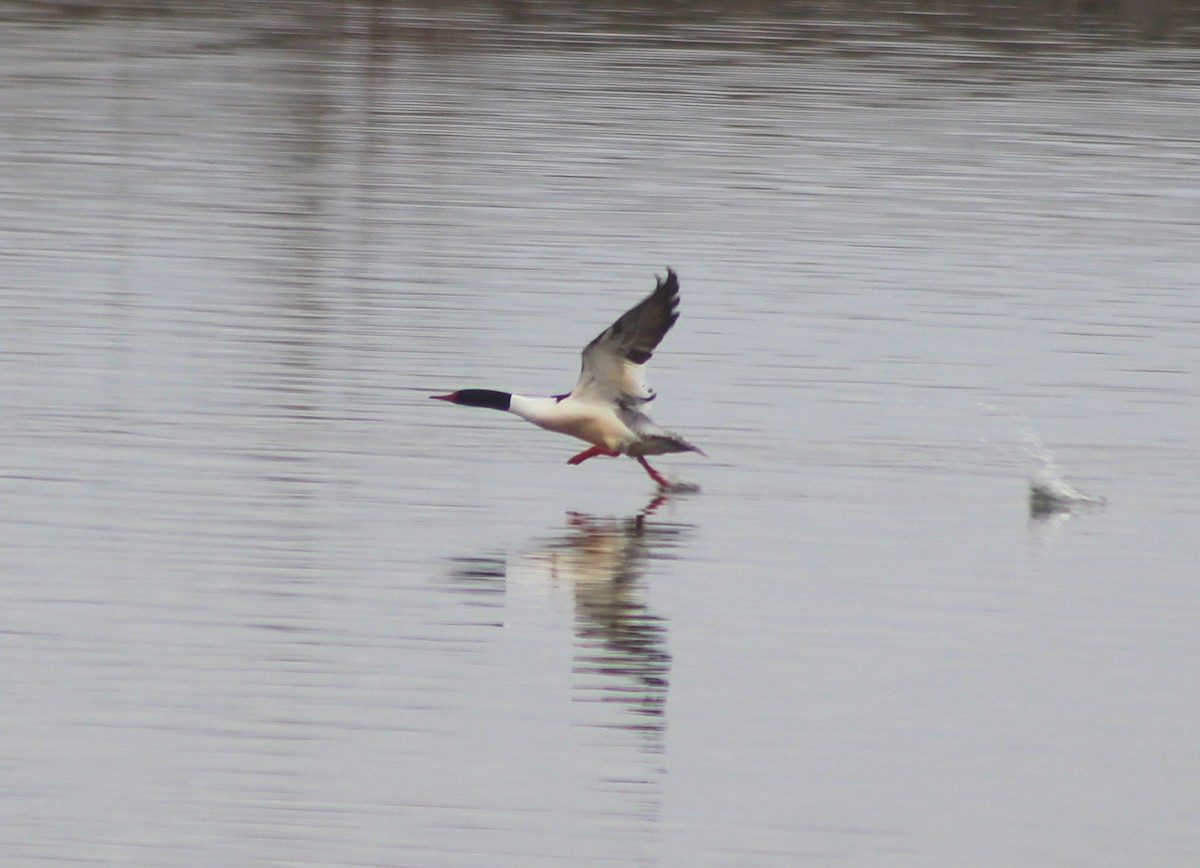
point(605, 407)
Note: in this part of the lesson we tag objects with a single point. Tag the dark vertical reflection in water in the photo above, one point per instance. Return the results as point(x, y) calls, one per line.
point(621, 666)
point(621, 652)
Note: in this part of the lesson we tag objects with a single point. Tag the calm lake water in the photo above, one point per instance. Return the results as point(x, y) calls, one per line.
point(264, 604)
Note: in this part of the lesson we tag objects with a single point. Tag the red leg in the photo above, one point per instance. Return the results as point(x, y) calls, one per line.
point(591, 452)
point(654, 474)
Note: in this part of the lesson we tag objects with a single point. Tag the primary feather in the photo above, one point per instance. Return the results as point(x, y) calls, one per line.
point(614, 363)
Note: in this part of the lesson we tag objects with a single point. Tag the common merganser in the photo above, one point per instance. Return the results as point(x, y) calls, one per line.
point(602, 409)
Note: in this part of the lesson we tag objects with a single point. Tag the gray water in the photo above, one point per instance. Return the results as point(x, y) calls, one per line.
point(262, 603)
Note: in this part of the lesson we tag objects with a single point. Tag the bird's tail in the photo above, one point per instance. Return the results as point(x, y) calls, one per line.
point(662, 444)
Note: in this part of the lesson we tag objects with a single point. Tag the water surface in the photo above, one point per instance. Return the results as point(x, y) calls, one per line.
point(265, 604)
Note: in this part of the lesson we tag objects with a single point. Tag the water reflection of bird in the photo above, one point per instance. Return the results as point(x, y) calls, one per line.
point(620, 644)
point(604, 407)
point(620, 650)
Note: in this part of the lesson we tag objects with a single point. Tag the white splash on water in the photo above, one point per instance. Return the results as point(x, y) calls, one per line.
point(1049, 493)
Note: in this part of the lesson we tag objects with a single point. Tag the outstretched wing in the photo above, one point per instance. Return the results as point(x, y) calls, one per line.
point(614, 363)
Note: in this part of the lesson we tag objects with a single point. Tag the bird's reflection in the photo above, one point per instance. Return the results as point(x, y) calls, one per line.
point(620, 654)
point(620, 644)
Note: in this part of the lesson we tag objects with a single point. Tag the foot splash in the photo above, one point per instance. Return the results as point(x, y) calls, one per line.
point(1049, 493)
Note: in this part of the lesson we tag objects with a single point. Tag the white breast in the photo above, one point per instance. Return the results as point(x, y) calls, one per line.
point(591, 422)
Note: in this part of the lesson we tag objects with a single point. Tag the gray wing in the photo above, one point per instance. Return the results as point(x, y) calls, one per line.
point(653, 440)
point(614, 363)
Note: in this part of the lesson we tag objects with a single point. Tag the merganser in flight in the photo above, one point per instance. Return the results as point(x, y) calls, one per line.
point(602, 409)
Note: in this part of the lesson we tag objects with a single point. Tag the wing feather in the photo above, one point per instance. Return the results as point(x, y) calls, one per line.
point(614, 363)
